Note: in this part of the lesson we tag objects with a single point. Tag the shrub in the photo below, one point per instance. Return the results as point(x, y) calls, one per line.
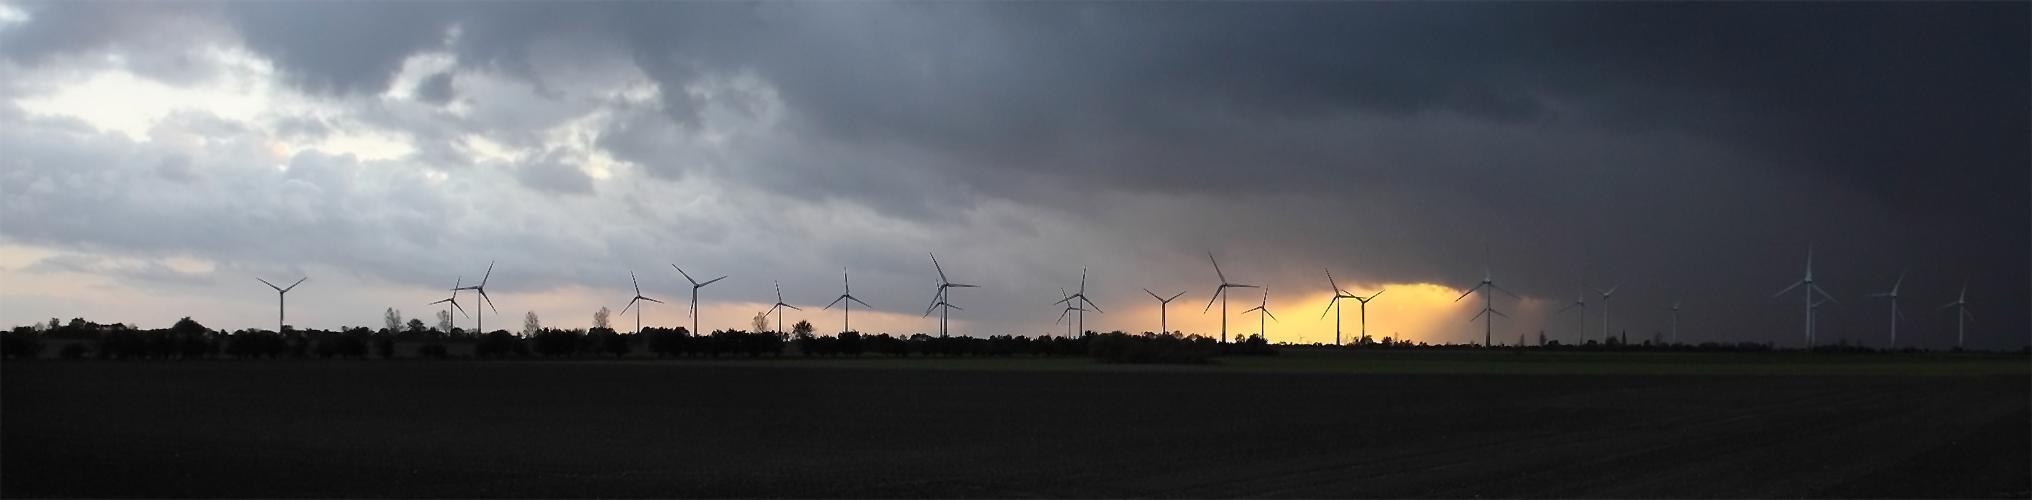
point(1118, 347)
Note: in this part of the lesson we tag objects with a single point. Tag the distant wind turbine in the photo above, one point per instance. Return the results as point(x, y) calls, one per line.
point(480, 320)
point(1365, 312)
point(1162, 304)
point(1893, 295)
point(281, 294)
point(1960, 306)
point(1221, 294)
point(1083, 303)
point(1070, 306)
point(695, 286)
point(1488, 300)
point(846, 311)
point(1580, 320)
point(1605, 307)
point(1811, 289)
point(454, 299)
point(778, 308)
point(638, 298)
point(1261, 325)
point(1333, 305)
point(941, 300)
point(1675, 319)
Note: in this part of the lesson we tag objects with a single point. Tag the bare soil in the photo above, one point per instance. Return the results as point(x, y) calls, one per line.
point(661, 429)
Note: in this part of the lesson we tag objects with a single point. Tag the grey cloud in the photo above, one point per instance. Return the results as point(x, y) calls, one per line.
point(437, 89)
point(550, 174)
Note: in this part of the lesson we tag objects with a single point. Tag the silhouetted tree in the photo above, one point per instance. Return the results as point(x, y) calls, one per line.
point(557, 342)
point(600, 318)
point(444, 321)
point(666, 341)
point(22, 342)
point(849, 343)
point(530, 325)
point(393, 319)
point(616, 343)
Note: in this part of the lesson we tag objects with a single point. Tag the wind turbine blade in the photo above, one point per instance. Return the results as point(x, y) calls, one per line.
point(490, 273)
point(652, 300)
point(1788, 289)
point(1570, 306)
point(1971, 316)
point(957, 285)
point(1273, 317)
point(702, 285)
point(1329, 280)
point(687, 276)
point(1612, 290)
point(1478, 315)
point(1505, 292)
point(631, 303)
point(1173, 297)
point(793, 308)
point(934, 265)
point(1217, 298)
point(1499, 313)
point(1373, 297)
point(1252, 309)
point(270, 285)
point(1947, 305)
point(489, 300)
point(858, 301)
point(1090, 303)
point(1463, 295)
point(462, 310)
point(1245, 286)
point(292, 286)
point(1329, 306)
point(638, 284)
point(834, 303)
point(1061, 315)
point(772, 309)
point(956, 307)
point(1153, 295)
point(1901, 282)
point(441, 301)
point(1823, 293)
point(1217, 268)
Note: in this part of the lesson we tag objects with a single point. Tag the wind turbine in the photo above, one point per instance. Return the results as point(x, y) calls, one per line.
point(1605, 308)
point(1365, 312)
point(1220, 294)
point(1580, 321)
point(1333, 305)
point(1162, 304)
point(1083, 301)
point(1069, 308)
point(1675, 319)
point(482, 288)
point(1960, 306)
point(454, 299)
point(846, 311)
point(638, 298)
point(281, 293)
point(1893, 295)
point(1261, 325)
point(1488, 300)
point(695, 285)
point(778, 308)
point(1810, 290)
point(940, 299)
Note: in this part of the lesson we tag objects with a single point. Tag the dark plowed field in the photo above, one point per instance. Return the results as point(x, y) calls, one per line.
point(651, 429)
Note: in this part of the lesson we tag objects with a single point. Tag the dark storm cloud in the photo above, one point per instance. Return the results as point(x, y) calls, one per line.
point(1694, 149)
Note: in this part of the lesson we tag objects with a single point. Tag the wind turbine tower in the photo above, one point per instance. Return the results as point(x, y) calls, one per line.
point(454, 299)
point(638, 298)
point(1960, 306)
point(1675, 319)
point(778, 308)
point(1221, 294)
point(1811, 289)
point(281, 293)
point(1893, 295)
point(1083, 302)
point(1488, 301)
point(695, 286)
point(1605, 307)
point(1262, 325)
point(1365, 312)
point(1162, 304)
point(846, 311)
point(1580, 320)
point(940, 300)
point(481, 319)
point(1333, 305)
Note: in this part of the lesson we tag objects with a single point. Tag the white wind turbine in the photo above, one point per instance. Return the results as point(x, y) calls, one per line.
point(1960, 306)
point(1605, 308)
point(281, 295)
point(454, 299)
point(1333, 304)
point(1083, 302)
point(1580, 323)
point(1488, 301)
point(939, 300)
point(1262, 326)
point(1811, 289)
point(1220, 294)
point(1070, 306)
point(778, 308)
point(695, 286)
point(1162, 304)
point(638, 298)
point(480, 320)
point(1893, 295)
point(846, 311)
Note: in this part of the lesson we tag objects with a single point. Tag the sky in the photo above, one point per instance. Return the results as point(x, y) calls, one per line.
point(158, 157)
